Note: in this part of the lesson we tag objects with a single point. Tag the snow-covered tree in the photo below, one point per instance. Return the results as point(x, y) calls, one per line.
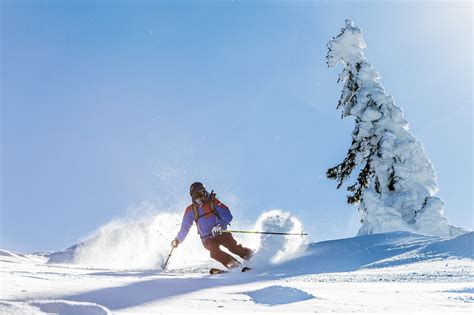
point(396, 183)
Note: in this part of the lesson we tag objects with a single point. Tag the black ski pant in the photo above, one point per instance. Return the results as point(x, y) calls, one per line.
point(213, 244)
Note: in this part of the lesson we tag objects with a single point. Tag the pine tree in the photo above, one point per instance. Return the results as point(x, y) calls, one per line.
point(396, 182)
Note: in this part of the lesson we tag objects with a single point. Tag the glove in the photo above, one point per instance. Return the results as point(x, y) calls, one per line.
point(175, 243)
point(217, 230)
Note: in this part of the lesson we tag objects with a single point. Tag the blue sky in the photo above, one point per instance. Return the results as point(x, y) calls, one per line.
point(105, 105)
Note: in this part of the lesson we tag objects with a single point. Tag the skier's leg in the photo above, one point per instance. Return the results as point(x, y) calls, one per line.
point(230, 243)
point(212, 245)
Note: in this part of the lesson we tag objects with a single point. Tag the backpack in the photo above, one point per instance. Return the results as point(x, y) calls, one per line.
point(212, 205)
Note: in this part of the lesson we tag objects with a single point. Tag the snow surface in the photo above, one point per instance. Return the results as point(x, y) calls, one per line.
point(397, 271)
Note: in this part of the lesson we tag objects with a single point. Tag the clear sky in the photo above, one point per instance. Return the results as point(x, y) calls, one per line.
point(105, 105)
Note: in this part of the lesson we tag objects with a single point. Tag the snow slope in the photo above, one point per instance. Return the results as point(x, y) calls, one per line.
point(397, 271)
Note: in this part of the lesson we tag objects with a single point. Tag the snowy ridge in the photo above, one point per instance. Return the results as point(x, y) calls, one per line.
point(12, 254)
point(378, 250)
point(460, 247)
point(63, 256)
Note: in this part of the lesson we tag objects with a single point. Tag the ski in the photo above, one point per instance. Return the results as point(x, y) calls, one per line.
point(216, 271)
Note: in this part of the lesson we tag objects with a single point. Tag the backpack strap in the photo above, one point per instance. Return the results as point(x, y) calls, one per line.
point(196, 213)
point(212, 205)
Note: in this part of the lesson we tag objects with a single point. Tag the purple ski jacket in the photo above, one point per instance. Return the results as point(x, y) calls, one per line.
point(206, 221)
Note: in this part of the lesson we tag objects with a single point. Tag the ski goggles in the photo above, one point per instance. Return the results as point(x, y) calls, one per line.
point(199, 194)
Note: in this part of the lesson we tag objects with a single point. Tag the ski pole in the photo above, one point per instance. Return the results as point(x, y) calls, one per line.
point(166, 262)
point(258, 232)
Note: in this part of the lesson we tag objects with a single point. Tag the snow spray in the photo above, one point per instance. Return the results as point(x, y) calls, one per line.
point(143, 242)
point(271, 249)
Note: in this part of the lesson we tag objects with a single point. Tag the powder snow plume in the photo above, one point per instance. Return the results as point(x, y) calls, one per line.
point(274, 249)
point(143, 242)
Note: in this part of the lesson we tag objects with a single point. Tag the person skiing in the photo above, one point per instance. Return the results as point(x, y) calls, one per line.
point(212, 218)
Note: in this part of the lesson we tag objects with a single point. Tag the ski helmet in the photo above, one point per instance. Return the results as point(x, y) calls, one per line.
point(197, 190)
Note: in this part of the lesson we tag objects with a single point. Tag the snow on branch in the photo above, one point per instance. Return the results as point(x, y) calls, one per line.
point(396, 181)
point(347, 46)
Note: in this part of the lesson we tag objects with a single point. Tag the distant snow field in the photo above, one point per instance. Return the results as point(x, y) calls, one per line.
point(396, 272)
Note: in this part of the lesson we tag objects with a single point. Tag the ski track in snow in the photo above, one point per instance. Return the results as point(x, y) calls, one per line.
point(396, 271)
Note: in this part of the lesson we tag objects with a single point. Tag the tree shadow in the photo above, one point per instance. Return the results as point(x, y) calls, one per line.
point(156, 289)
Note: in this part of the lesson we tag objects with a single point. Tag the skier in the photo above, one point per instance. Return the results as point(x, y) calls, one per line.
point(212, 218)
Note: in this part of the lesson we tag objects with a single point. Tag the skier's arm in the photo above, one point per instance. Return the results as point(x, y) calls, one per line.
point(186, 224)
point(224, 212)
